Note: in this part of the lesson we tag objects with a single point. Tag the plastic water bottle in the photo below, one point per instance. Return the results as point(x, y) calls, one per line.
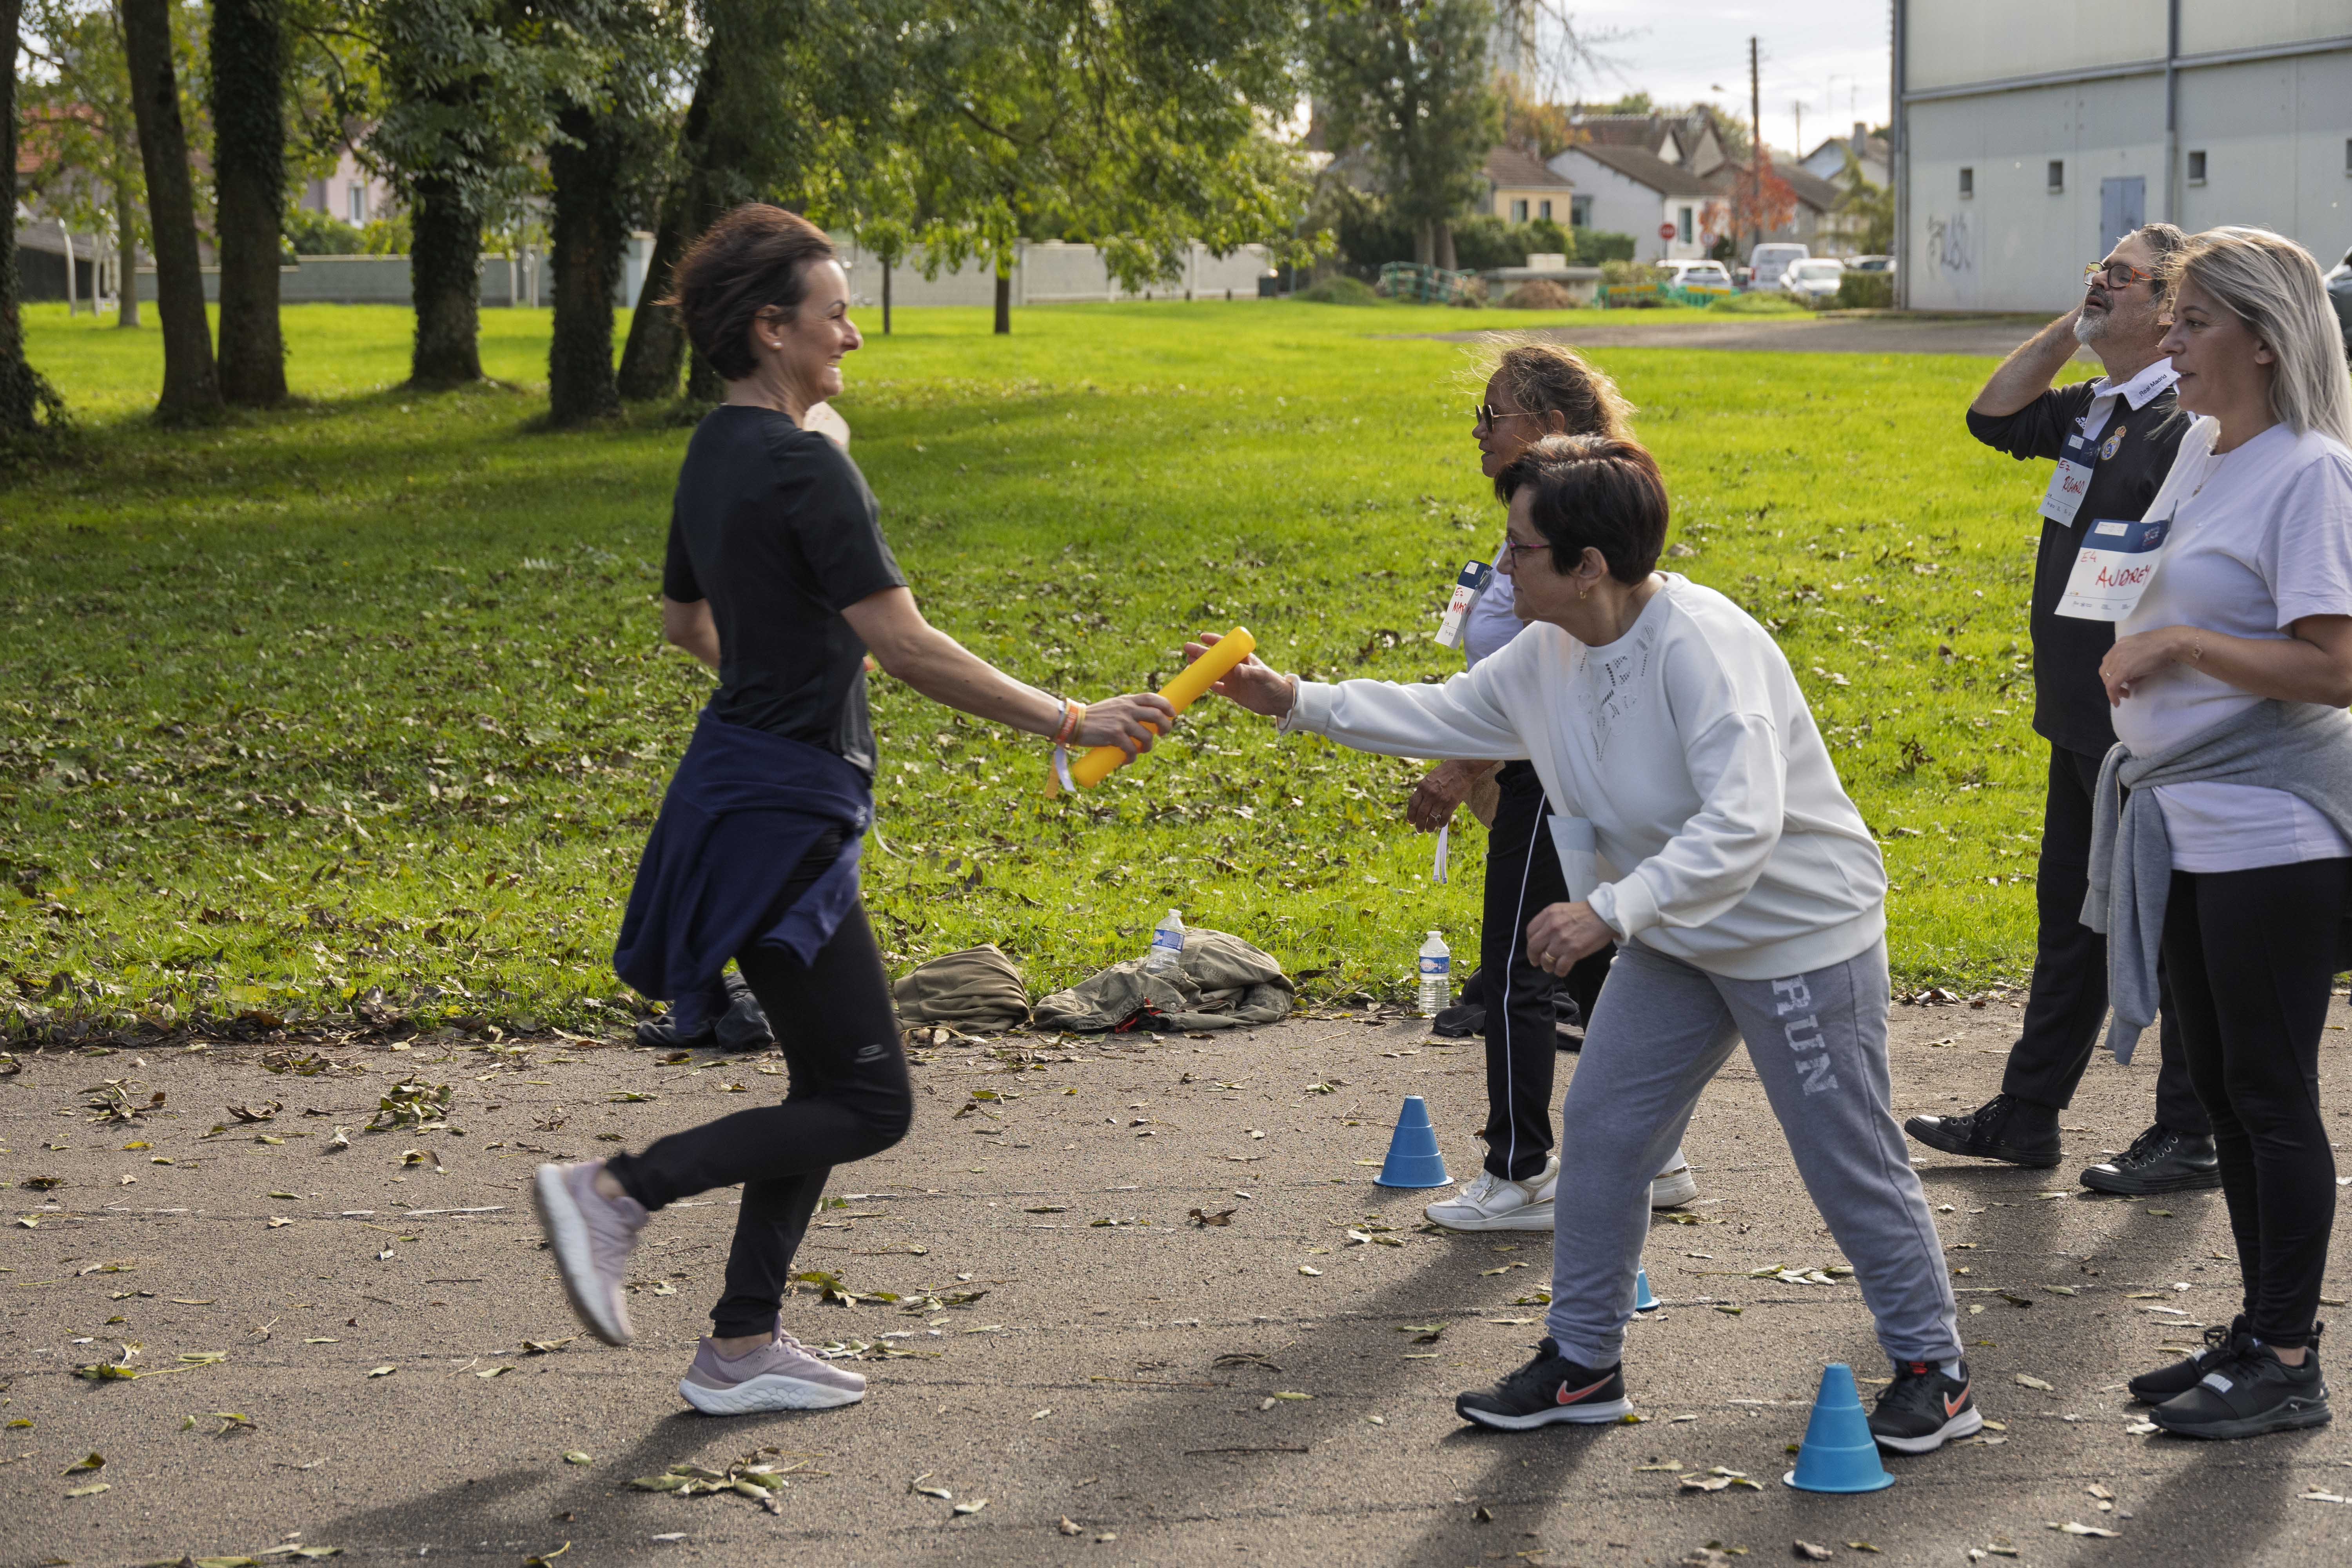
point(1167, 945)
point(1436, 977)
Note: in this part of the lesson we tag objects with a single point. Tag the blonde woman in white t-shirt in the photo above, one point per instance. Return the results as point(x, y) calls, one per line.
point(2244, 630)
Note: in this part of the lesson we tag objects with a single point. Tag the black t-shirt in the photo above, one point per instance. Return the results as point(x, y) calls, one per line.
point(2070, 707)
point(773, 524)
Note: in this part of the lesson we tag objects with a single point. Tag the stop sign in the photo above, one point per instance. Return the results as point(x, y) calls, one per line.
point(1668, 231)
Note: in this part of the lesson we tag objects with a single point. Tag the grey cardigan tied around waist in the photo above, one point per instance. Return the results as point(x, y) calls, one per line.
point(2302, 748)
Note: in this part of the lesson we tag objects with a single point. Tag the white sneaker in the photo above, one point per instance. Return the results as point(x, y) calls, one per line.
point(1674, 1185)
point(1491, 1202)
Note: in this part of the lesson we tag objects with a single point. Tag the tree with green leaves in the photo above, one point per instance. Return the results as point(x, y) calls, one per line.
point(1408, 82)
point(85, 136)
point(248, 52)
point(190, 385)
point(1871, 205)
point(27, 403)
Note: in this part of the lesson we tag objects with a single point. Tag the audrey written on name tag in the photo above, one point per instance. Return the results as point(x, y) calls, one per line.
point(2117, 559)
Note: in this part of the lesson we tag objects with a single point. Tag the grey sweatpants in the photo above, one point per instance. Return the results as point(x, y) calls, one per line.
point(1818, 1042)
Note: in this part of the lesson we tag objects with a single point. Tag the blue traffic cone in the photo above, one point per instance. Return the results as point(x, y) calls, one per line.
point(1838, 1454)
point(1642, 1300)
point(1414, 1160)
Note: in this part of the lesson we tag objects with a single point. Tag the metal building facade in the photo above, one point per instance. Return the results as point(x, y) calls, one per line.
point(2030, 134)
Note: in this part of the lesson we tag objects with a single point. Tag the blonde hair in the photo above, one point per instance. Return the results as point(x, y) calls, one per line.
point(2271, 284)
point(1546, 378)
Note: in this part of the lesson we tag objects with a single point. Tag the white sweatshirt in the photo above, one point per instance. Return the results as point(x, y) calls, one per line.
point(1686, 742)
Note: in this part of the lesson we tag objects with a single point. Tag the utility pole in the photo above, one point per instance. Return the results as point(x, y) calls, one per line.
point(1755, 147)
point(1798, 108)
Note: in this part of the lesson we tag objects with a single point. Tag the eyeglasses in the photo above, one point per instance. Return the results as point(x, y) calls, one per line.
point(1513, 549)
point(1484, 414)
point(2115, 274)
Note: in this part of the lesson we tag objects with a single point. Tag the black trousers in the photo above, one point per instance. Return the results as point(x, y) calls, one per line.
point(2252, 956)
point(2069, 999)
point(849, 1098)
point(1523, 877)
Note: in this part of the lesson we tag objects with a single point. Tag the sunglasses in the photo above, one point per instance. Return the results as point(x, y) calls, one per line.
point(1513, 549)
point(2115, 274)
point(1484, 414)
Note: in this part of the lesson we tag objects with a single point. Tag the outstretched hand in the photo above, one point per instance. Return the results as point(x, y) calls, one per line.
point(1251, 684)
point(1131, 722)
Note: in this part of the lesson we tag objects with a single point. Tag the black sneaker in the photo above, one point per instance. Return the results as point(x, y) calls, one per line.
point(2002, 1128)
point(2249, 1394)
point(1923, 1409)
point(1459, 1021)
point(744, 1026)
point(2171, 1382)
point(2159, 1161)
point(1547, 1389)
point(663, 1034)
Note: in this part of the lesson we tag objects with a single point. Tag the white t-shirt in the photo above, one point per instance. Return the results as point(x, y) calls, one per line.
point(2263, 539)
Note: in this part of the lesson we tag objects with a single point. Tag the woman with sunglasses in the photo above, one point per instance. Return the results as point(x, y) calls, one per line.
point(1537, 389)
point(1744, 891)
point(2229, 679)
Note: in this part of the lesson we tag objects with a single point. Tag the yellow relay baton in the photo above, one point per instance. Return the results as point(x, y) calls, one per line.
point(1189, 686)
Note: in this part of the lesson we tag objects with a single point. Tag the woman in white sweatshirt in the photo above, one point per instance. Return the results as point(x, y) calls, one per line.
point(1745, 891)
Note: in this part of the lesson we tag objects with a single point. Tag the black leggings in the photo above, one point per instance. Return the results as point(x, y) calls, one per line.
point(848, 1098)
point(2252, 956)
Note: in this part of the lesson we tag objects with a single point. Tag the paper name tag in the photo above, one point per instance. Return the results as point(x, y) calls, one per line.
point(2063, 498)
point(1580, 854)
point(2118, 557)
point(1475, 575)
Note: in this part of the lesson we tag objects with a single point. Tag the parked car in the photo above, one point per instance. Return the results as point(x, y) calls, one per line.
point(1813, 280)
point(1697, 274)
point(1870, 264)
point(1767, 262)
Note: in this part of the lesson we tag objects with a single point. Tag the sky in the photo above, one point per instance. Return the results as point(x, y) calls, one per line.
point(1831, 56)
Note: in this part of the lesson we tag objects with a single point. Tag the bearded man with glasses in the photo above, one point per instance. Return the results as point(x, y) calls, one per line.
point(2114, 439)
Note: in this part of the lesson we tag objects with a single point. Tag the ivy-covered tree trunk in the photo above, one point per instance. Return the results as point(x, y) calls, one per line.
point(588, 166)
point(444, 263)
point(191, 388)
point(656, 341)
point(248, 67)
point(22, 391)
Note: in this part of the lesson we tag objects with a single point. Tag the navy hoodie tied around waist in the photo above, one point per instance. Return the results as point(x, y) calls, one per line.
point(742, 810)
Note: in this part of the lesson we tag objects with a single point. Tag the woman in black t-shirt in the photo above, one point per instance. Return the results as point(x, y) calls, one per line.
point(778, 578)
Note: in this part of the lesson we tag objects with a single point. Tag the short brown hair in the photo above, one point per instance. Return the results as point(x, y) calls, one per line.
point(754, 257)
point(1599, 491)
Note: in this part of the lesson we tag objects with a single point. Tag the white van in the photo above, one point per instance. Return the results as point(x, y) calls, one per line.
point(1767, 262)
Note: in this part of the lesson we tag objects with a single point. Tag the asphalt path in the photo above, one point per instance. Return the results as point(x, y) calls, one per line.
point(1177, 1393)
point(1991, 336)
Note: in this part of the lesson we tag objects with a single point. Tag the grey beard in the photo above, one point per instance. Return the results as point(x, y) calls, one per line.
point(2089, 329)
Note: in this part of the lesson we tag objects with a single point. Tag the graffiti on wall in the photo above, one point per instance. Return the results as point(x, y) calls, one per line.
point(1952, 244)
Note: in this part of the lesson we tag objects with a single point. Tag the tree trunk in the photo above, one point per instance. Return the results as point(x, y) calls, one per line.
point(248, 61)
point(23, 393)
point(587, 163)
point(1446, 245)
point(445, 279)
point(1003, 300)
point(886, 270)
point(126, 223)
point(1424, 244)
point(191, 389)
point(656, 341)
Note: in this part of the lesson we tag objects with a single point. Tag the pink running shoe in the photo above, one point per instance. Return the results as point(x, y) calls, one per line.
point(592, 1236)
point(783, 1375)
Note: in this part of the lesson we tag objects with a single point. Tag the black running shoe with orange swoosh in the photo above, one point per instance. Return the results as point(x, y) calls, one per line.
point(1925, 1408)
point(1549, 1389)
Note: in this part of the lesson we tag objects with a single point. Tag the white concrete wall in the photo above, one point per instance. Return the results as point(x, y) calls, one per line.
point(2274, 134)
point(1047, 273)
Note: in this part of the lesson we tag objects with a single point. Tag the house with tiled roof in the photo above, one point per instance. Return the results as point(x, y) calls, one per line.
point(1816, 221)
point(1669, 212)
point(1520, 188)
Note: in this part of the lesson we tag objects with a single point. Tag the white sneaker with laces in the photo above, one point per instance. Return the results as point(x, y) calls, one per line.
point(1489, 1202)
point(1674, 1185)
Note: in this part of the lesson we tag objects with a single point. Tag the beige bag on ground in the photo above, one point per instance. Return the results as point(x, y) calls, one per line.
point(977, 990)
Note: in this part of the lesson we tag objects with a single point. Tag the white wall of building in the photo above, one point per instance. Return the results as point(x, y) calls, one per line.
point(1623, 204)
point(1047, 273)
point(2276, 135)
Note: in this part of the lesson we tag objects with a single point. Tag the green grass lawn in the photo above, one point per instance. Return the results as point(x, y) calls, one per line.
point(369, 692)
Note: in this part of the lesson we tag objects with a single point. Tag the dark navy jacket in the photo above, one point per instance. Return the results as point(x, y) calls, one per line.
point(741, 811)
